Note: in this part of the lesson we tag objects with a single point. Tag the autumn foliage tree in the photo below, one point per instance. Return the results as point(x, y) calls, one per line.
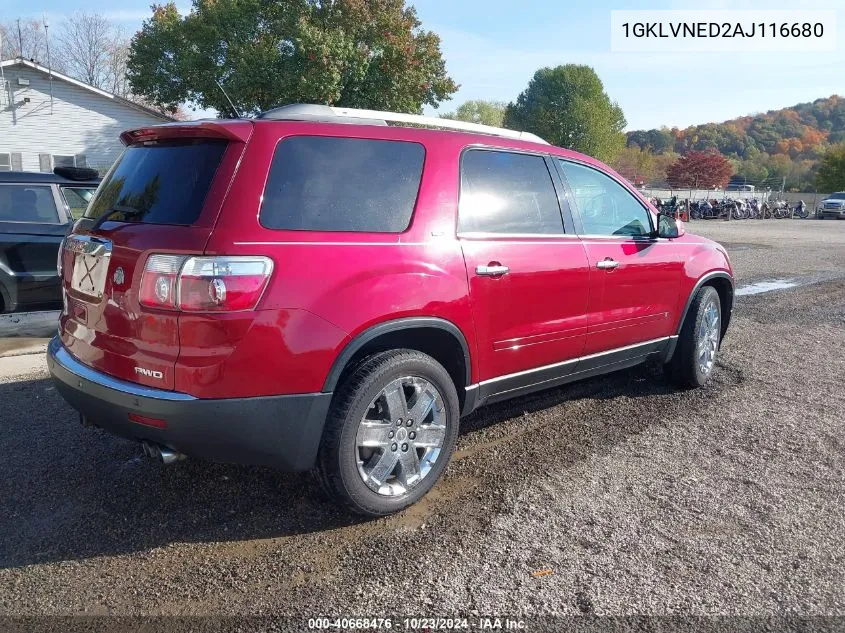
point(700, 170)
point(352, 53)
point(831, 174)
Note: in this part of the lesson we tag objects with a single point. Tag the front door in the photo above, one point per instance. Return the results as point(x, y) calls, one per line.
point(528, 277)
point(636, 277)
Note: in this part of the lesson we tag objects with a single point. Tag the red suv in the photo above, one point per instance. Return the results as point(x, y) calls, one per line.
point(316, 289)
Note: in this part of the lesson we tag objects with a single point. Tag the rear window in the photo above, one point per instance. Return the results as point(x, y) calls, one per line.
point(165, 182)
point(320, 183)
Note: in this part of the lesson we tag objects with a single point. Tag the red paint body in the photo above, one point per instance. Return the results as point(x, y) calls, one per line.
point(326, 288)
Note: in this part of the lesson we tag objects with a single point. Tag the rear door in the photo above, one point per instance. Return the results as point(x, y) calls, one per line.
point(528, 276)
point(32, 225)
point(164, 193)
point(636, 277)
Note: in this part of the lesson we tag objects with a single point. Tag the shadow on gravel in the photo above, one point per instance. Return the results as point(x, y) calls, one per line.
point(641, 381)
point(69, 493)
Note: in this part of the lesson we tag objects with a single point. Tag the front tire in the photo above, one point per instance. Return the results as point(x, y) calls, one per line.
point(390, 433)
point(699, 340)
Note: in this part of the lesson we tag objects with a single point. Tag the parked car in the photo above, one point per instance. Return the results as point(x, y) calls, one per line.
point(36, 212)
point(315, 289)
point(832, 207)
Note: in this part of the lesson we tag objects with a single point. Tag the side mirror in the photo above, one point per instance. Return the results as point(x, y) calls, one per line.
point(669, 227)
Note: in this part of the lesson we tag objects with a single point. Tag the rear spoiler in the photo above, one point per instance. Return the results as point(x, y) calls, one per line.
point(226, 130)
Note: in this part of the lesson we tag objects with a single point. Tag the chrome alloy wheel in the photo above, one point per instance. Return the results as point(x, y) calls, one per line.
point(400, 436)
point(707, 339)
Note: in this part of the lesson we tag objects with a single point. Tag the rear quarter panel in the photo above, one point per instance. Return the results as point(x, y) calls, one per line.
point(328, 287)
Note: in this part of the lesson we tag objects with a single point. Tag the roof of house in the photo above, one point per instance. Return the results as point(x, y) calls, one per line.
point(27, 63)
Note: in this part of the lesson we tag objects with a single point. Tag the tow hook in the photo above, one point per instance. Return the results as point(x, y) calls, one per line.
point(161, 453)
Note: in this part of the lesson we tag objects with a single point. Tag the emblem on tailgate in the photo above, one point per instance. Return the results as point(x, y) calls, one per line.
point(150, 373)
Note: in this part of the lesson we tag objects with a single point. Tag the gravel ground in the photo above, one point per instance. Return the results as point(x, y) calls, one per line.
point(636, 498)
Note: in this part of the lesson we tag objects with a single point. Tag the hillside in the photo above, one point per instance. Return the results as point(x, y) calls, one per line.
point(765, 148)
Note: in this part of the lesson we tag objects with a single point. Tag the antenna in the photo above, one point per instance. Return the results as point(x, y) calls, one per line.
point(232, 105)
point(49, 65)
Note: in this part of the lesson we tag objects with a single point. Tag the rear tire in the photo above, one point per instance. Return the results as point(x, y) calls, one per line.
point(698, 343)
point(369, 460)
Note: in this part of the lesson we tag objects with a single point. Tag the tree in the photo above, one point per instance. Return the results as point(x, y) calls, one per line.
point(568, 106)
point(700, 170)
point(346, 53)
point(831, 173)
point(84, 43)
point(635, 165)
point(479, 111)
point(24, 38)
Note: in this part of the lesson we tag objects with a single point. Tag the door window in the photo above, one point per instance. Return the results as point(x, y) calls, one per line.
point(28, 203)
point(509, 193)
point(605, 206)
point(77, 199)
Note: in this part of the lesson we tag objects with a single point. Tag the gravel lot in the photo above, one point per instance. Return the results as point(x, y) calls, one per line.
point(640, 499)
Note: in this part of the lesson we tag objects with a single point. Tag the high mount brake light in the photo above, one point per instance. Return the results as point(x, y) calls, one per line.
point(225, 283)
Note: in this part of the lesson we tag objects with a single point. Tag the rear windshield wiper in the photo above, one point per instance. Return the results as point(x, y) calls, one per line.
point(119, 208)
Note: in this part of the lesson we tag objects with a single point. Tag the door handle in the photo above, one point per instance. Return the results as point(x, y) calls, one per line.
point(607, 264)
point(492, 271)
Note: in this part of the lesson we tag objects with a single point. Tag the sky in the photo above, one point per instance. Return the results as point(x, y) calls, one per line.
point(493, 47)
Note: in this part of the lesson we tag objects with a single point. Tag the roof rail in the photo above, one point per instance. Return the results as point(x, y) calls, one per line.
point(330, 114)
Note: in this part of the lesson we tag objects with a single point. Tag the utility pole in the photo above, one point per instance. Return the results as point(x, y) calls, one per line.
point(49, 65)
point(20, 40)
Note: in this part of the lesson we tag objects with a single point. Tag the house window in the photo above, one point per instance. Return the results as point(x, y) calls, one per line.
point(63, 160)
point(5, 162)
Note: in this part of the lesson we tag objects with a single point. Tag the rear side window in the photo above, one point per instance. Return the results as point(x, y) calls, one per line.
point(28, 203)
point(77, 199)
point(504, 192)
point(166, 183)
point(320, 183)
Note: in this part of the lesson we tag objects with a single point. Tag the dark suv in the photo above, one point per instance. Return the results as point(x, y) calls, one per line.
point(316, 289)
point(36, 212)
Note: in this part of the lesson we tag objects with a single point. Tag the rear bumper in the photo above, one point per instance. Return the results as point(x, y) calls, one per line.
point(279, 431)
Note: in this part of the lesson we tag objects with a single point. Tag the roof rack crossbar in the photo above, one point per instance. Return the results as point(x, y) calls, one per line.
point(311, 112)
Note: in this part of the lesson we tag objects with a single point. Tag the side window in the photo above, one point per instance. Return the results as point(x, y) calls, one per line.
point(323, 183)
point(28, 203)
point(77, 199)
point(505, 192)
point(605, 206)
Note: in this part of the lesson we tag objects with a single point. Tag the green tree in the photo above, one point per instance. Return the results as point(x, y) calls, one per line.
point(479, 111)
point(568, 106)
point(264, 53)
point(831, 173)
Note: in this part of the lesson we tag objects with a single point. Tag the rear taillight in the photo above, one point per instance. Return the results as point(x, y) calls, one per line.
point(204, 284)
point(223, 283)
point(158, 283)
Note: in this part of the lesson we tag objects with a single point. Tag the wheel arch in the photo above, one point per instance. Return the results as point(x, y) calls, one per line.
point(724, 285)
point(439, 338)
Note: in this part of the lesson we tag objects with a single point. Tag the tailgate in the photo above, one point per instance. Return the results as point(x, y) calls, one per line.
point(161, 196)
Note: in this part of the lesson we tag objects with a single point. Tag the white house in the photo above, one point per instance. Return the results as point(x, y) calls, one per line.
point(71, 123)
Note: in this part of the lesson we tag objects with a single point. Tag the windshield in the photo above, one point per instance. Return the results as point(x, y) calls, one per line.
point(839, 195)
point(166, 182)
